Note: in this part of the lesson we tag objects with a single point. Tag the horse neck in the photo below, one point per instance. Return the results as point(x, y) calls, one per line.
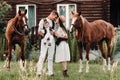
point(84, 22)
point(84, 27)
point(14, 20)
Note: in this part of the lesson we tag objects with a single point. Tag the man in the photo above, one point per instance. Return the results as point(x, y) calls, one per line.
point(44, 48)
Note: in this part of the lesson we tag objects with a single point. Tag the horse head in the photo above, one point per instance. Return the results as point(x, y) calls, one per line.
point(77, 21)
point(21, 22)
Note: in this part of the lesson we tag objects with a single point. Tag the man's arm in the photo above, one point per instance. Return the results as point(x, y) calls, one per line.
point(40, 29)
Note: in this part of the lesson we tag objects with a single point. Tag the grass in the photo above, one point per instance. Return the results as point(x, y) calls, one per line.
point(96, 72)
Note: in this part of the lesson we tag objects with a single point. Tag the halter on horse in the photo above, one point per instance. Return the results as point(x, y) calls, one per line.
point(15, 34)
point(88, 33)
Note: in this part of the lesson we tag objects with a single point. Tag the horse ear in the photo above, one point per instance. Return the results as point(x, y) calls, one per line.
point(25, 11)
point(72, 12)
point(79, 13)
point(19, 12)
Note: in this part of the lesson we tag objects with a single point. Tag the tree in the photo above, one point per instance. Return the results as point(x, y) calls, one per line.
point(4, 9)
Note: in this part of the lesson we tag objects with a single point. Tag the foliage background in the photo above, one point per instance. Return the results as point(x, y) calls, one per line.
point(4, 9)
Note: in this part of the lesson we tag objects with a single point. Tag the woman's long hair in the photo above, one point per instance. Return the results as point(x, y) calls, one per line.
point(62, 25)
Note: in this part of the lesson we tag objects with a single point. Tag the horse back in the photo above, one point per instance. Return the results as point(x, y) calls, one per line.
point(107, 27)
point(100, 29)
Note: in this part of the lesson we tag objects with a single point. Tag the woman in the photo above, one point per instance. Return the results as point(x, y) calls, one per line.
point(62, 48)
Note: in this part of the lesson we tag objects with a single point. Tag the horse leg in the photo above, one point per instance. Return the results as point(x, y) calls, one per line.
point(81, 58)
point(109, 65)
point(103, 55)
point(109, 54)
point(9, 55)
point(87, 57)
point(22, 63)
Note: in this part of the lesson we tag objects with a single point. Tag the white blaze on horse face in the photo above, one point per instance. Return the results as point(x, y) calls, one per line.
point(25, 23)
point(73, 21)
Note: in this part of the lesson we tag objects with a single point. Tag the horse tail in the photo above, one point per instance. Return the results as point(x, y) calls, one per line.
point(113, 41)
point(111, 32)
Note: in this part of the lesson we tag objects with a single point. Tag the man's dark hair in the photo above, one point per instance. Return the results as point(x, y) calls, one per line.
point(45, 21)
point(55, 12)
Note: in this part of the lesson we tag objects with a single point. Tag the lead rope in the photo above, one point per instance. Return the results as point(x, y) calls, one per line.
point(18, 31)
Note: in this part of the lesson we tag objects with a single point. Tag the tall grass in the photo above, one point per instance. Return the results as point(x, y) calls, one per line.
point(96, 72)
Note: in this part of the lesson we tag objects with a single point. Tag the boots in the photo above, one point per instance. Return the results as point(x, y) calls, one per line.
point(65, 73)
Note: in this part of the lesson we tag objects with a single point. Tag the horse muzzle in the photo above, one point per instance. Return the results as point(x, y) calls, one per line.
point(26, 30)
point(72, 29)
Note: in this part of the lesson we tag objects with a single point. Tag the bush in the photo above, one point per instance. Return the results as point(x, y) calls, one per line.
point(73, 47)
point(4, 9)
point(117, 46)
point(3, 25)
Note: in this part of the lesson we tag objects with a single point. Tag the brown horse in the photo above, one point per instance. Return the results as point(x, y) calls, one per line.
point(15, 34)
point(96, 32)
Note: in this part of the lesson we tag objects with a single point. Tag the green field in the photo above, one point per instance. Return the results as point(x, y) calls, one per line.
point(96, 72)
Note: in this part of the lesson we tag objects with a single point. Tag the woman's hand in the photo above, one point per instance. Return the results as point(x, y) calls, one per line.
point(65, 37)
point(41, 34)
point(51, 32)
point(56, 34)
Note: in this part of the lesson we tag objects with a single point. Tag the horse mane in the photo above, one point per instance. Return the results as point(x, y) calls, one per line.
point(81, 21)
point(13, 20)
point(84, 21)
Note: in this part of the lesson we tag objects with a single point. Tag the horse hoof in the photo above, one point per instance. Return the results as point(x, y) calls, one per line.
point(8, 69)
point(23, 69)
point(109, 67)
point(87, 71)
point(80, 71)
point(105, 68)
